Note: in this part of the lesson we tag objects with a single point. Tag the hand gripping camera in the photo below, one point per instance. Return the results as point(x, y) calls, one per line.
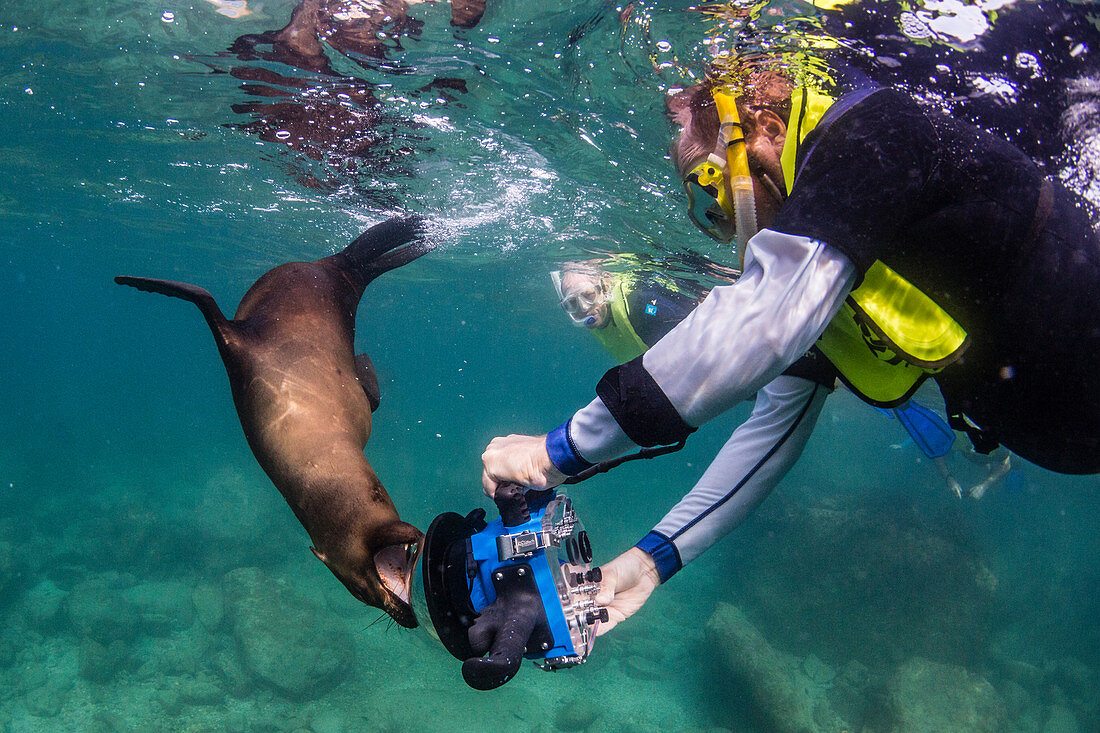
point(520, 586)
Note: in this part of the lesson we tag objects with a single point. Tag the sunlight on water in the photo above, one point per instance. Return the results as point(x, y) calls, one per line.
point(151, 578)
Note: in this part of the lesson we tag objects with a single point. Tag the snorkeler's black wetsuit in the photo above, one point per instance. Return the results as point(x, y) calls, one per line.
point(970, 221)
point(655, 309)
point(1012, 79)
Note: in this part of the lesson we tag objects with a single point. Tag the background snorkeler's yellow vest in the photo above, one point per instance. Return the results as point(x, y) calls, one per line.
point(888, 336)
point(619, 336)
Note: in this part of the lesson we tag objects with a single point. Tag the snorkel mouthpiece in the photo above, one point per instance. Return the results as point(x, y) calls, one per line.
point(519, 586)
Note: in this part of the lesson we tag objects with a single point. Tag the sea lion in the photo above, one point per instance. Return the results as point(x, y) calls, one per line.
point(304, 400)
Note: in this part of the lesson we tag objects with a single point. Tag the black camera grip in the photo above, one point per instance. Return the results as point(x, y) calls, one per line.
point(512, 505)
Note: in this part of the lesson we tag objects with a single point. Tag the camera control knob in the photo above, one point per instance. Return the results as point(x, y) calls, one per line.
point(598, 615)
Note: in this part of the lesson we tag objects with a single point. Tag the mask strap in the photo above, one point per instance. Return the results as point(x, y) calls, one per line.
point(555, 275)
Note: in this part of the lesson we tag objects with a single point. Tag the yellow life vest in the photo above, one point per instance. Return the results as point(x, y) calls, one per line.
point(888, 337)
point(807, 109)
point(618, 337)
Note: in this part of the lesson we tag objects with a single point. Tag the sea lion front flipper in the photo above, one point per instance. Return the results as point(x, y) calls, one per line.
point(368, 380)
point(219, 325)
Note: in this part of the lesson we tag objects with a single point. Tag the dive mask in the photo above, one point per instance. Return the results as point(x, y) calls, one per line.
point(580, 305)
point(520, 586)
point(709, 202)
point(709, 206)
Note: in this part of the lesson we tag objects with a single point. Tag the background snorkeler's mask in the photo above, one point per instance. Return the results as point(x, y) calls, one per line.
point(519, 586)
point(709, 204)
point(579, 306)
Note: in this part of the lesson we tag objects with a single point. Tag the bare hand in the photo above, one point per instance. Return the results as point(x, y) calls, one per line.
point(628, 580)
point(518, 459)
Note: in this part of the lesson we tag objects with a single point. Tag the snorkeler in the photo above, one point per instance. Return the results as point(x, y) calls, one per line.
point(900, 242)
point(627, 314)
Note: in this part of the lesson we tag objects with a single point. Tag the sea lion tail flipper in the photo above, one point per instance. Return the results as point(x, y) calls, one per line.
point(385, 246)
point(368, 380)
point(184, 291)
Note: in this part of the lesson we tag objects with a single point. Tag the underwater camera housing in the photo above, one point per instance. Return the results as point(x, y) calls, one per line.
point(520, 586)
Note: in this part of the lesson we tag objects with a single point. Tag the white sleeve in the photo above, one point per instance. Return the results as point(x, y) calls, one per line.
point(750, 464)
point(738, 340)
point(745, 334)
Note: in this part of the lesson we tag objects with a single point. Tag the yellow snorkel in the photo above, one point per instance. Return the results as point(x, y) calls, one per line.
point(711, 203)
point(736, 155)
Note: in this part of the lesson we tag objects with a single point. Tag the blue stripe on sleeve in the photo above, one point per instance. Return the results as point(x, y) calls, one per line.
point(562, 452)
point(664, 554)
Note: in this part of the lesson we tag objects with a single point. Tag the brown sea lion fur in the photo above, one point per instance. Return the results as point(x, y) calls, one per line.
point(303, 399)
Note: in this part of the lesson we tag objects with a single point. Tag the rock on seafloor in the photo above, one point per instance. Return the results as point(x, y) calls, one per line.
point(770, 685)
point(287, 641)
point(880, 579)
point(930, 697)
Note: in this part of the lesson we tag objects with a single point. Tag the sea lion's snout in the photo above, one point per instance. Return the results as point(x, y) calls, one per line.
point(395, 565)
point(382, 575)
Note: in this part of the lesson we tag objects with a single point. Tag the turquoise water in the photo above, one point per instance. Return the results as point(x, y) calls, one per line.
point(151, 578)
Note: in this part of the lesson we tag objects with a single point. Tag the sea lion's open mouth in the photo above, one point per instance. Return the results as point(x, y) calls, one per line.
point(395, 565)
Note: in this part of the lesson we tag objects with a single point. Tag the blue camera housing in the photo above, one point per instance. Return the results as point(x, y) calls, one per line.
point(485, 551)
point(527, 574)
